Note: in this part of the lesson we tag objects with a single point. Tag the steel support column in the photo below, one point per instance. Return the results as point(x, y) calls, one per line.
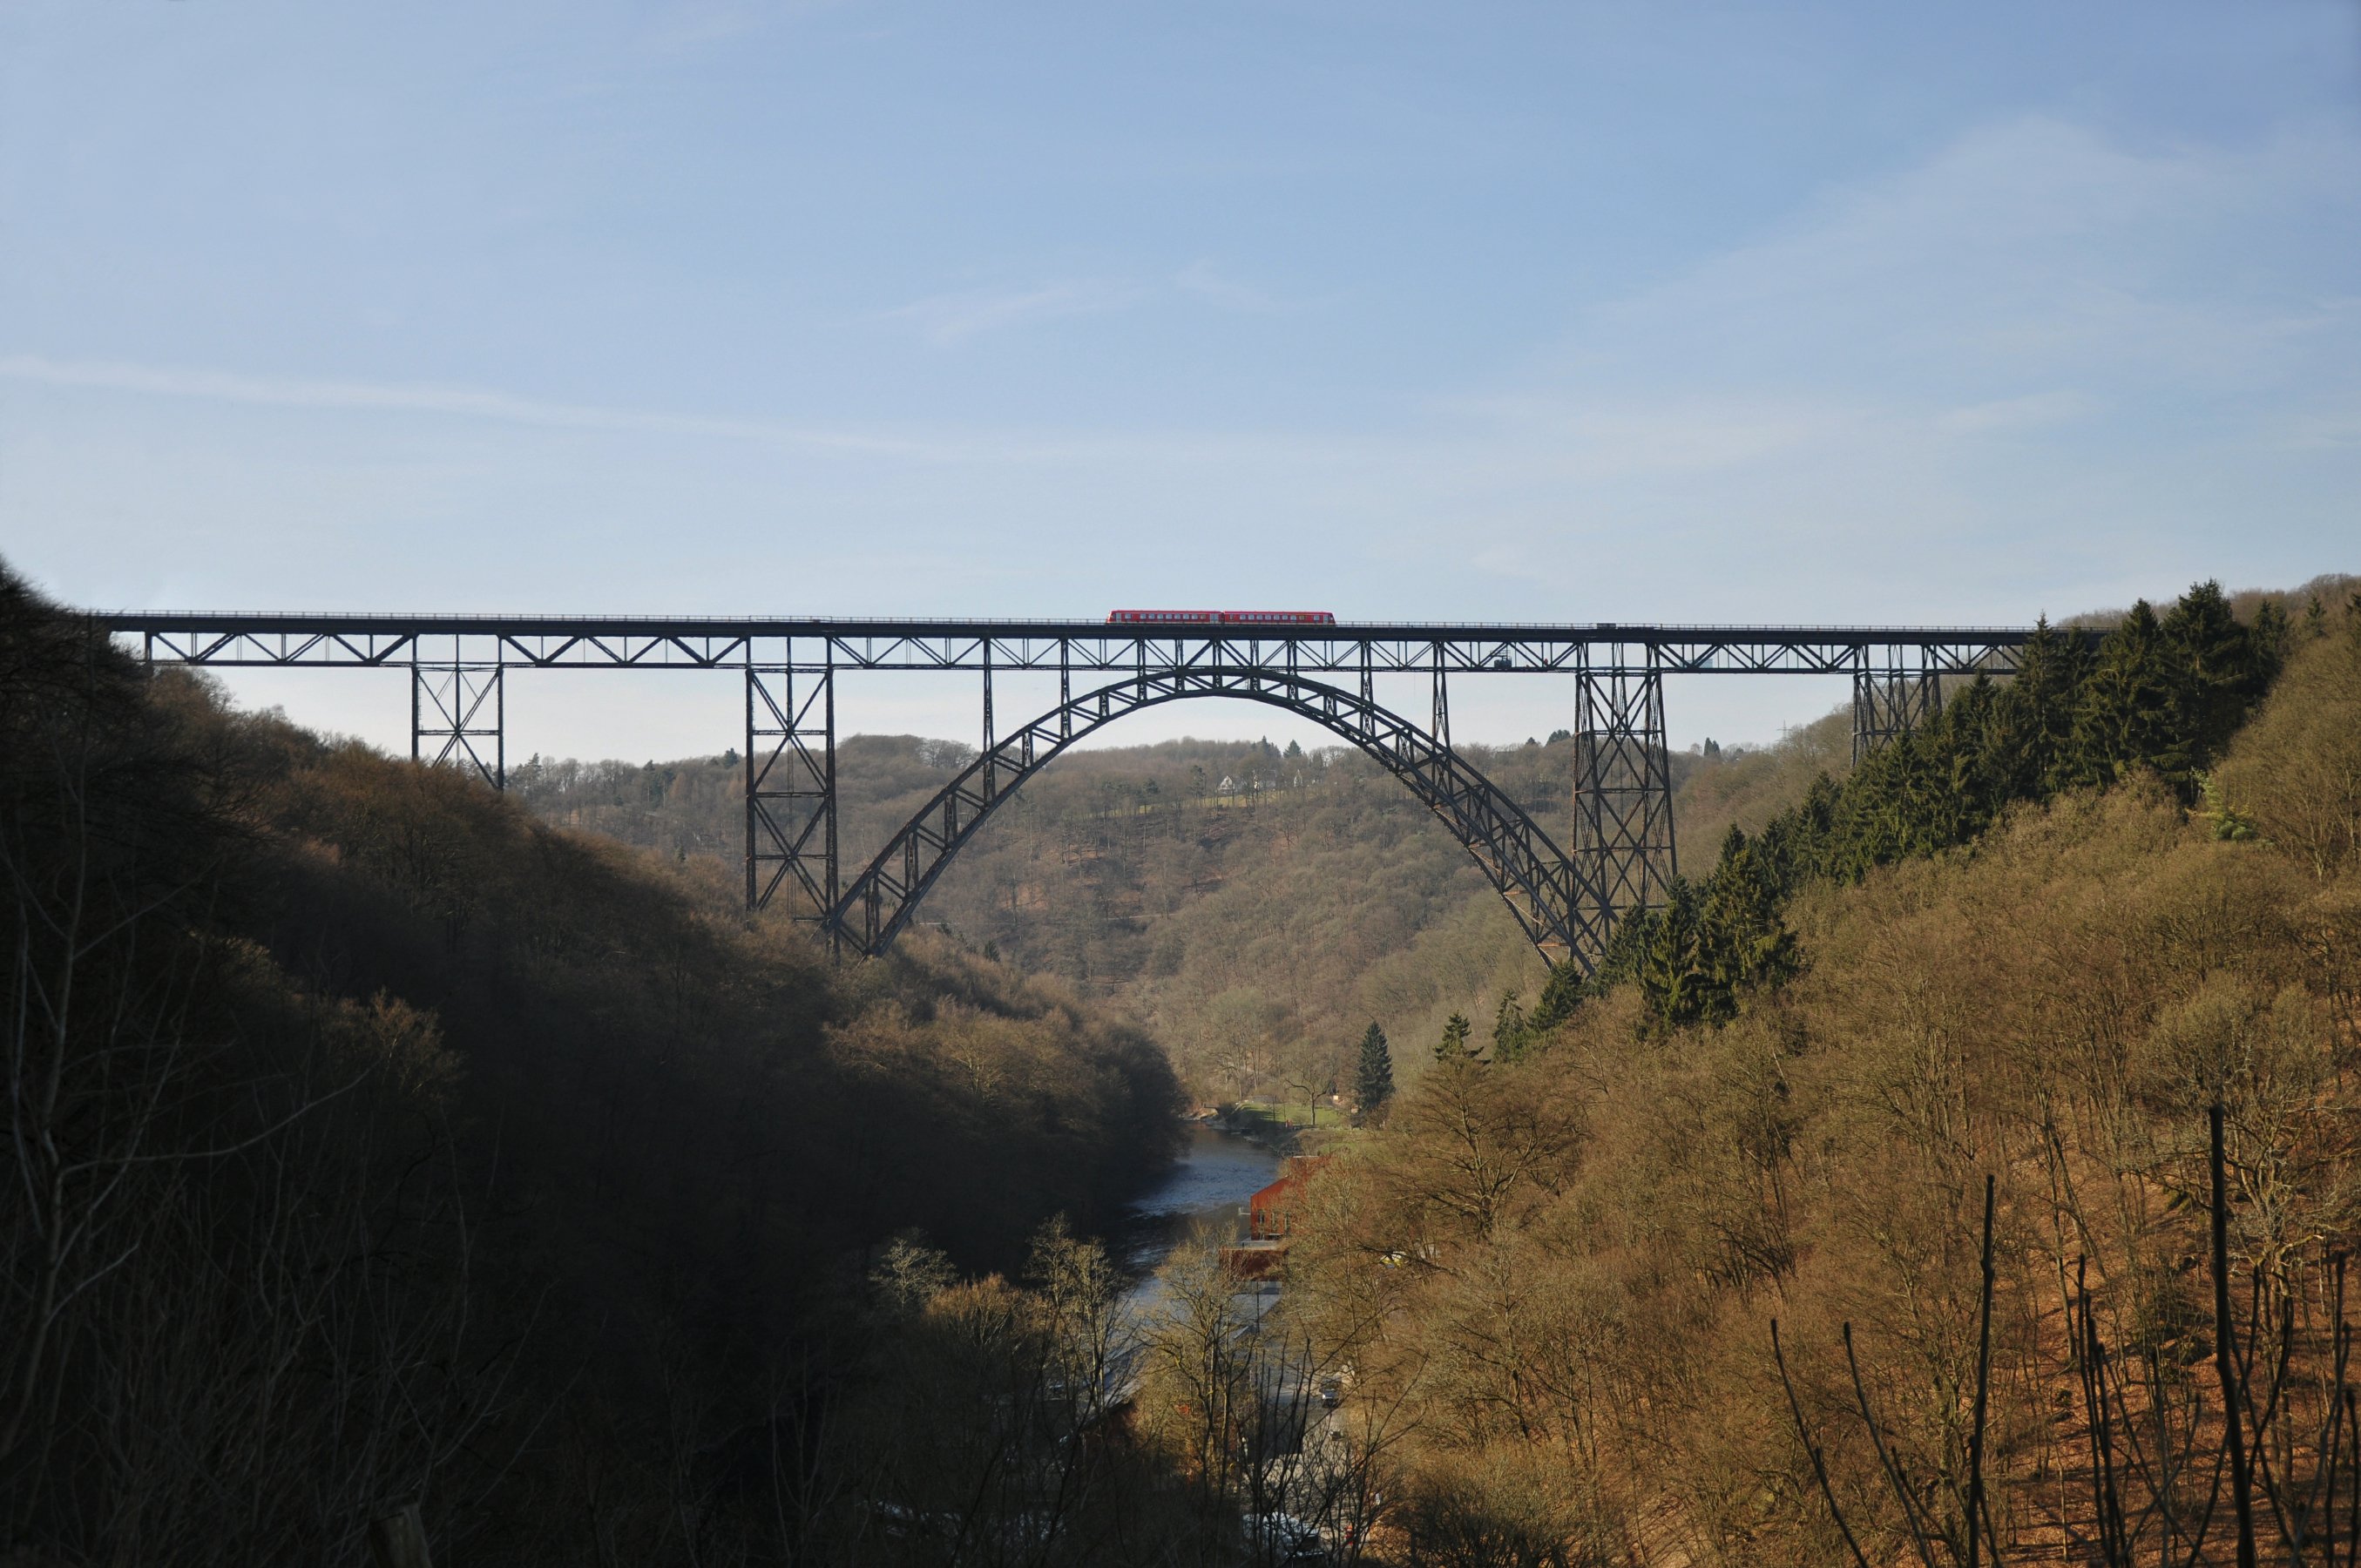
point(1441, 731)
point(791, 787)
point(456, 716)
point(1623, 779)
point(989, 740)
point(1889, 699)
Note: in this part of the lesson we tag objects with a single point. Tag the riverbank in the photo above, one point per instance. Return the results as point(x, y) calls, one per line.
point(1267, 1128)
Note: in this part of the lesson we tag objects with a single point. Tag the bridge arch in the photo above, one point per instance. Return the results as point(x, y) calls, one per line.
point(1551, 896)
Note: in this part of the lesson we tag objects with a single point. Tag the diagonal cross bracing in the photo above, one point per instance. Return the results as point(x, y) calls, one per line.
point(1623, 785)
point(791, 785)
point(1891, 693)
point(457, 719)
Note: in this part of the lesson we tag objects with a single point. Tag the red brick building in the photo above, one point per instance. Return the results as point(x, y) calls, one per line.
point(1271, 1213)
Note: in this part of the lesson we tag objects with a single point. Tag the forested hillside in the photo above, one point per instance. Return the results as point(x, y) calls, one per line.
point(374, 1140)
point(1255, 933)
point(371, 1141)
point(2039, 943)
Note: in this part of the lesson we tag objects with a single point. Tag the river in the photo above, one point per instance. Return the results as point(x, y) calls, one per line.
point(1210, 1181)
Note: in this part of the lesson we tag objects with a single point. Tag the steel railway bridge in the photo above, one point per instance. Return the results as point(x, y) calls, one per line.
point(1621, 857)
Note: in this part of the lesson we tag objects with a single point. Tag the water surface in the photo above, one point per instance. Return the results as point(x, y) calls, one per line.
point(1210, 1181)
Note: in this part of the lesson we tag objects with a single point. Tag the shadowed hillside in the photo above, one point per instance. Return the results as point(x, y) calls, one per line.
point(372, 1141)
point(1255, 933)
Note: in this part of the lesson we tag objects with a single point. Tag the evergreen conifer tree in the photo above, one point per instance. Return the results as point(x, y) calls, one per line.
point(1672, 974)
point(1454, 1046)
point(1373, 1082)
point(1797, 844)
point(1902, 800)
point(2222, 668)
point(2273, 636)
point(2163, 693)
point(1566, 989)
point(1511, 1033)
point(1746, 944)
point(2131, 706)
point(2032, 728)
point(1626, 945)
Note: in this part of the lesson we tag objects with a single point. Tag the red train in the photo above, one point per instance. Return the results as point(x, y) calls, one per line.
point(1222, 617)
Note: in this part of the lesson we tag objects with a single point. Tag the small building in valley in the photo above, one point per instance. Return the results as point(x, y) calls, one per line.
point(1270, 1219)
point(1270, 1213)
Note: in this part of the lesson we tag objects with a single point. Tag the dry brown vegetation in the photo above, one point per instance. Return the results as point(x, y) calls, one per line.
point(1746, 788)
point(1564, 1270)
point(373, 1141)
point(1256, 936)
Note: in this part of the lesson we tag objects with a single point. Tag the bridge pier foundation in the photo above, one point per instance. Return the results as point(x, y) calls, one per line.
point(791, 787)
point(1623, 779)
point(458, 719)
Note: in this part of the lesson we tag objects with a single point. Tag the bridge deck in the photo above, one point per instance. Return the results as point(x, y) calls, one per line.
point(716, 641)
point(1566, 898)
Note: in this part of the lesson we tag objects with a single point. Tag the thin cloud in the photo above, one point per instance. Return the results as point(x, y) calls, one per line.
point(945, 320)
point(948, 319)
point(1051, 448)
point(1831, 393)
point(2327, 428)
point(464, 402)
point(2032, 247)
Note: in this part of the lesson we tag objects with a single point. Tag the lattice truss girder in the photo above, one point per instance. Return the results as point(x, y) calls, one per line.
point(1542, 887)
point(691, 642)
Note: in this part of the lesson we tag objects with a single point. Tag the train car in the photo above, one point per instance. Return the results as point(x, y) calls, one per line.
point(1222, 617)
point(1164, 618)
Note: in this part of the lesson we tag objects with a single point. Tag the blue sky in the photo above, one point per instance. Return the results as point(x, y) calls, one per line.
point(1512, 312)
